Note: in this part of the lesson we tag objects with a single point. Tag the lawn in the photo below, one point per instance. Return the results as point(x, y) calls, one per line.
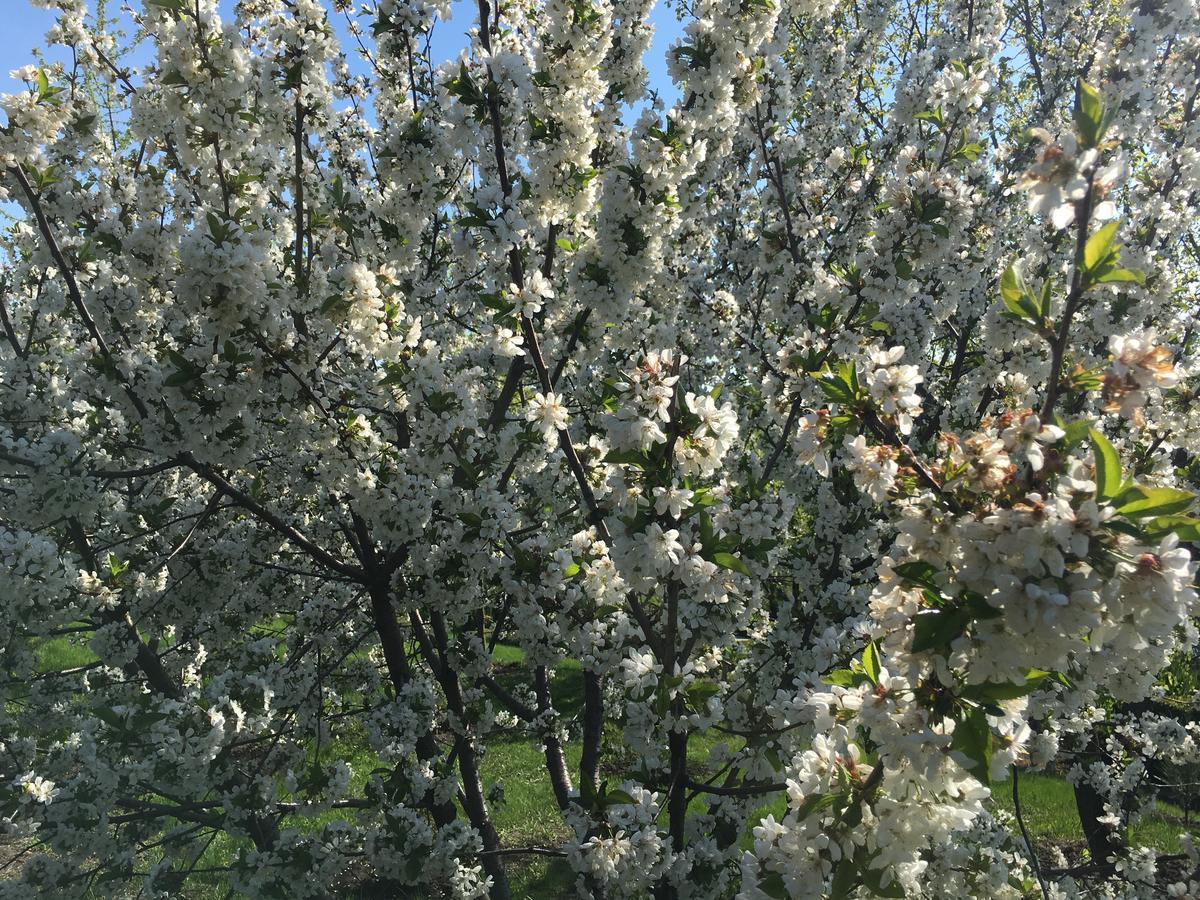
point(1048, 807)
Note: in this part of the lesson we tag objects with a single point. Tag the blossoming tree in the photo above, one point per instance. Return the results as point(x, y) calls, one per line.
point(841, 410)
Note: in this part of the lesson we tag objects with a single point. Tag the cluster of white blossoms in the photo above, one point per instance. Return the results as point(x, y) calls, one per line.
point(645, 403)
point(786, 457)
point(548, 414)
point(988, 589)
point(874, 467)
point(1141, 367)
point(701, 451)
point(363, 301)
point(529, 299)
point(627, 857)
point(1064, 175)
point(809, 441)
point(36, 789)
point(893, 387)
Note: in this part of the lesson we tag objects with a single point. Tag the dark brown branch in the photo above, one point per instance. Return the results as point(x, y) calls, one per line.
point(1058, 344)
point(248, 503)
point(73, 292)
point(741, 790)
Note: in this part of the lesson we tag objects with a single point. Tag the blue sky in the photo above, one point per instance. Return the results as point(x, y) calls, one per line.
point(25, 27)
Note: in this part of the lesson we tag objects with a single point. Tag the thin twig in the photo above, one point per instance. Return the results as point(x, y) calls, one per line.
point(1033, 857)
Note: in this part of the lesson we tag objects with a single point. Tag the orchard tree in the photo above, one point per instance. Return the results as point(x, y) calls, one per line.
point(837, 421)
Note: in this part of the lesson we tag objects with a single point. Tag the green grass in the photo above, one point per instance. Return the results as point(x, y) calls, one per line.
point(1048, 807)
point(57, 654)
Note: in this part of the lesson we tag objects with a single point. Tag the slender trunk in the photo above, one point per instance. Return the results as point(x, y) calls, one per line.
point(400, 673)
point(473, 800)
point(1102, 840)
point(476, 809)
point(593, 732)
point(677, 743)
point(556, 763)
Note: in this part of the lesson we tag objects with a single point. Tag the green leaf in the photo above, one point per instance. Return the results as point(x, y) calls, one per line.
point(116, 568)
point(843, 879)
point(1159, 501)
point(973, 739)
point(1047, 297)
point(773, 885)
point(1185, 527)
point(619, 796)
point(845, 678)
point(1136, 276)
point(1126, 493)
point(1099, 246)
point(1089, 115)
point(1017, 297)
point(1011, 285)
point(1076, 432)
point(1122, 527)
point(852, 815)
point(814, 803)
point(995, 691)
point(729, 561)
point(977, 607)
point(872, 880)
point(629, 457)
point(936, 116)
point(935, 630)
point(841, 387)
point(1108, 465)
point(870, 661)
point(699, 692)
point(918, 573)
point(109, 716)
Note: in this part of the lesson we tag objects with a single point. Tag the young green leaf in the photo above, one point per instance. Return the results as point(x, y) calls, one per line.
point(870, 661)
point(814, 803)
point(1089, 115)
point(1108, 465)
point(843, 879)
point(1111, 276)
point(773, 885)
point(1099, 246)
point(1076, 432)
point(1047, 297)
point(918, 573)
point(1186, 528)
point(1158, 501)
point(729, 561)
